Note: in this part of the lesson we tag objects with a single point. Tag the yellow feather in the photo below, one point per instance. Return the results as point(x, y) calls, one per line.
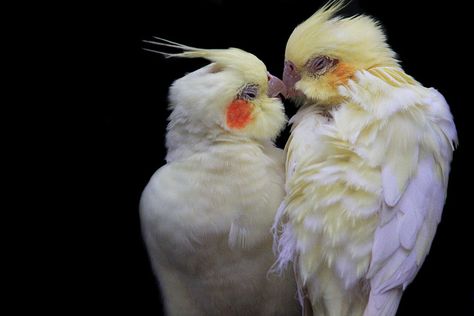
point(358, 40)
point(247, 64)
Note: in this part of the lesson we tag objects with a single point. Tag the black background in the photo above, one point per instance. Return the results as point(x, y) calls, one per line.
point(117, 110)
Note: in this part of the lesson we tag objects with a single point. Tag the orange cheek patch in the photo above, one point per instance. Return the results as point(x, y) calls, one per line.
point(342, 74)
point(239, 114)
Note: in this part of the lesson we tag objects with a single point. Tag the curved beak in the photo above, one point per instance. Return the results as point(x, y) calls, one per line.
point(290, 77)
point(275, 87)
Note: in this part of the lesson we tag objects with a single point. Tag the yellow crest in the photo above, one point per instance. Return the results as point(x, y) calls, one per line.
point(358, 40)
point(248, 65)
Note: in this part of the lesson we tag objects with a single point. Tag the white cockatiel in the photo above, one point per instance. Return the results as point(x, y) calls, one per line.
point(206, 215)
point(367, 167)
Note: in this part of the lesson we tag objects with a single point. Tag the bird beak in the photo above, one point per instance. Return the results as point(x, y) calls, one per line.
point(290, 78)
point(275, 87)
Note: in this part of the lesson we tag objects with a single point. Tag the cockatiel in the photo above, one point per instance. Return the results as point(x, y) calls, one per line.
point(206, 215)
point(367, 166)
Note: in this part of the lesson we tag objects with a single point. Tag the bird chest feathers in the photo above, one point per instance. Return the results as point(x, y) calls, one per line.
point(227, 203)
point(334, 199)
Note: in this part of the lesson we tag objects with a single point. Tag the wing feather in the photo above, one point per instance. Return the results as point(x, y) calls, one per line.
point(413, 146)
point(402, 242)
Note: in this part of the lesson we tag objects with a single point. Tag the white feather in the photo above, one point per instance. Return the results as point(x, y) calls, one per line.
point(206, 215)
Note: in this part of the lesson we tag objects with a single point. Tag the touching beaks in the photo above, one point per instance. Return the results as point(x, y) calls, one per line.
point(290, 77)
point(275, 87)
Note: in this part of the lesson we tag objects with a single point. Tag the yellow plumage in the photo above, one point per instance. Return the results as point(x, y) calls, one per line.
point(359, 39)
point(367, 167)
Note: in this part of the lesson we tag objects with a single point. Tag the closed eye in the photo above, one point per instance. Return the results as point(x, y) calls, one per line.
point(248, 92)
point(320, 65)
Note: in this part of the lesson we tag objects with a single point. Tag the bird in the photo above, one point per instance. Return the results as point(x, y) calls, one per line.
point(206, 214)
point(367, 167)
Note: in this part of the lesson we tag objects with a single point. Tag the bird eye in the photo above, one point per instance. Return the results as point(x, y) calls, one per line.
point(248, 92)
point(320, 64)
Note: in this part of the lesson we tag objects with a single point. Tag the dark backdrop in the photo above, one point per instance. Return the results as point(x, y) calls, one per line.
point(122, 111)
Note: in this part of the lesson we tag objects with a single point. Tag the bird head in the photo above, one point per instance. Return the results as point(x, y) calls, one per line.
point(234, 94)
point(326, 50)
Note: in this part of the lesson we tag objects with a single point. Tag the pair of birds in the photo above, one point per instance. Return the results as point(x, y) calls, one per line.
point(353, 210)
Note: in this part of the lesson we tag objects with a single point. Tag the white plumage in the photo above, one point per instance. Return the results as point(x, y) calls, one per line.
point(206, 215)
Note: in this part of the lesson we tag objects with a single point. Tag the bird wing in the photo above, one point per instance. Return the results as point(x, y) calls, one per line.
point(404, 235)
point(413, 148)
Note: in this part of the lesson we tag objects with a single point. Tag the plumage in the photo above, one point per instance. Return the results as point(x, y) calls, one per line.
point(367, 167)
point(206, 215)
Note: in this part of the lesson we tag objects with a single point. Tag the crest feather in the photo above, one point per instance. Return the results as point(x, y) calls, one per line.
point(358, 40)
point(235, 59)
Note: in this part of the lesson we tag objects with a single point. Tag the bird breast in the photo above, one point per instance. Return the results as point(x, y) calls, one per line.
point(340, 194)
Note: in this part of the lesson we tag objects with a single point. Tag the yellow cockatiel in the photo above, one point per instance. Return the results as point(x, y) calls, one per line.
point(367, 167)
point(206, 215)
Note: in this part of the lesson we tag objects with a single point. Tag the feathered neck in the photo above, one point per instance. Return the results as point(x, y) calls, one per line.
point(185, 138)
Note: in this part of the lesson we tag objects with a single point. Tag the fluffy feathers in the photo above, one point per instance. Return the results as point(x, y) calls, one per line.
point(358, 39)
point(206, 215)
point(367, 167)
